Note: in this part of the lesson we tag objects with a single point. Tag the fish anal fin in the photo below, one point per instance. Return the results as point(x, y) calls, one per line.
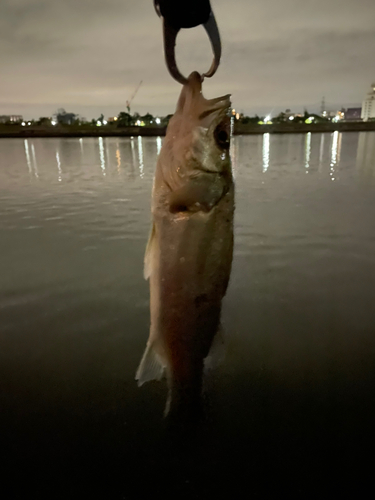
point(150, 367)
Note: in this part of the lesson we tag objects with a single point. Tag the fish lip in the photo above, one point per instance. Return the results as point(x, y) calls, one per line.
point(218, 108)
point(225, 97)
point(219, 103)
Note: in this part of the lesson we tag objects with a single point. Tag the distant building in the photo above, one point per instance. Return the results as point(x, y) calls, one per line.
point(353, 114)
point(368, 106)
point(65, 118)
point(11, 118)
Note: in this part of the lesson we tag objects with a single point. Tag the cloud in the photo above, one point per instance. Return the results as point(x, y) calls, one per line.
point(89, 55)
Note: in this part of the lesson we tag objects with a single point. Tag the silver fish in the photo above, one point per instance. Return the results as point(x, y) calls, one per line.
point(189, 254)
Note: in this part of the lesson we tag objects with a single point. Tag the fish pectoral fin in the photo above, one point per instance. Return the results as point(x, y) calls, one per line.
point(150, 367)
point(149, 252)
point(200, 193)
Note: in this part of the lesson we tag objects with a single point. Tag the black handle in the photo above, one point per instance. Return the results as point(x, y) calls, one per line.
point(184, 13)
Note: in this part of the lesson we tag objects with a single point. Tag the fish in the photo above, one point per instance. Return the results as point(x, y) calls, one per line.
point(189, 254)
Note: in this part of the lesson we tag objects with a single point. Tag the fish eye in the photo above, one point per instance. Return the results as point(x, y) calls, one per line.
point(222, 137)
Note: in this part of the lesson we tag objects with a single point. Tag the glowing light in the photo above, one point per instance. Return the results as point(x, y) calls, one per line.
point(140, 156)
point(29, 123)
point(237, 116)
point(291, 117)
point(267, 118)
point(98, 123)
point(157, 120)
point(105, 122)
point(23, 124)
point(53, 122)
point(115, 118)
point(158, 144)
point(101, 154)
point(266, 152)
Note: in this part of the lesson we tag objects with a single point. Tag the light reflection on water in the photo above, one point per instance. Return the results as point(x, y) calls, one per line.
point(58, 166)
point(308, 150)
point(27, 155)
point(158, 144)
point(335, 153)
point(140, 156)
point(298, 315)
point(101, 152)
point(266, 152)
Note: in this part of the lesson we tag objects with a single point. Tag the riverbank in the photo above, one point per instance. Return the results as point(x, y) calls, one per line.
point(9, 131)
point(295, 128)
point(78, 131)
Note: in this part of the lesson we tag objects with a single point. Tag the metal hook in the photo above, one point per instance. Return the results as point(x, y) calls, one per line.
point(170, 35)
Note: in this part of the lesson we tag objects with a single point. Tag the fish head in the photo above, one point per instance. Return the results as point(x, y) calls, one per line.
point(200, 130)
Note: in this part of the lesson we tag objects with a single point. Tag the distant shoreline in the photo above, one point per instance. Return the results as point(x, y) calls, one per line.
point(15, 131)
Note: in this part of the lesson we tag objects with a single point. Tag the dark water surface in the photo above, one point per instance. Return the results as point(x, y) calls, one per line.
point(291, 410)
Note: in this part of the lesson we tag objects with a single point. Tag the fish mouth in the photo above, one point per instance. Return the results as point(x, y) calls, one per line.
point(192, 103)
point(221, 101)
point(216, 110)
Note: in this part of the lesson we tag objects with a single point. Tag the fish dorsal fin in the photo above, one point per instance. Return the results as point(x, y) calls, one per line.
point(150, 367)
point(149, 253)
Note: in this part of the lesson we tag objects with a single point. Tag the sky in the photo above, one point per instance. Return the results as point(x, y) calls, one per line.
point(88, 56)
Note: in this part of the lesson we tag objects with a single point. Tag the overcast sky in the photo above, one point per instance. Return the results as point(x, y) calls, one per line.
point(88, 56)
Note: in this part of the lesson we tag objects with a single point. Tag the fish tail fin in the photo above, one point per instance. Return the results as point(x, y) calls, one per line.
point(150, 367)
point(184, 402)
point(167, 408)
point(183, 411)
point(217, 352)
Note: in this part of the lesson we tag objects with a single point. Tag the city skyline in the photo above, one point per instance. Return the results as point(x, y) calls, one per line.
point(88, 57)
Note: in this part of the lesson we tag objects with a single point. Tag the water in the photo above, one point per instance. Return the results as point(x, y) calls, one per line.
point(292, 405)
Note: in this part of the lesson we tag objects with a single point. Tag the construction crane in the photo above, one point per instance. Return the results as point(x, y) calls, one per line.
point(132, 97)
